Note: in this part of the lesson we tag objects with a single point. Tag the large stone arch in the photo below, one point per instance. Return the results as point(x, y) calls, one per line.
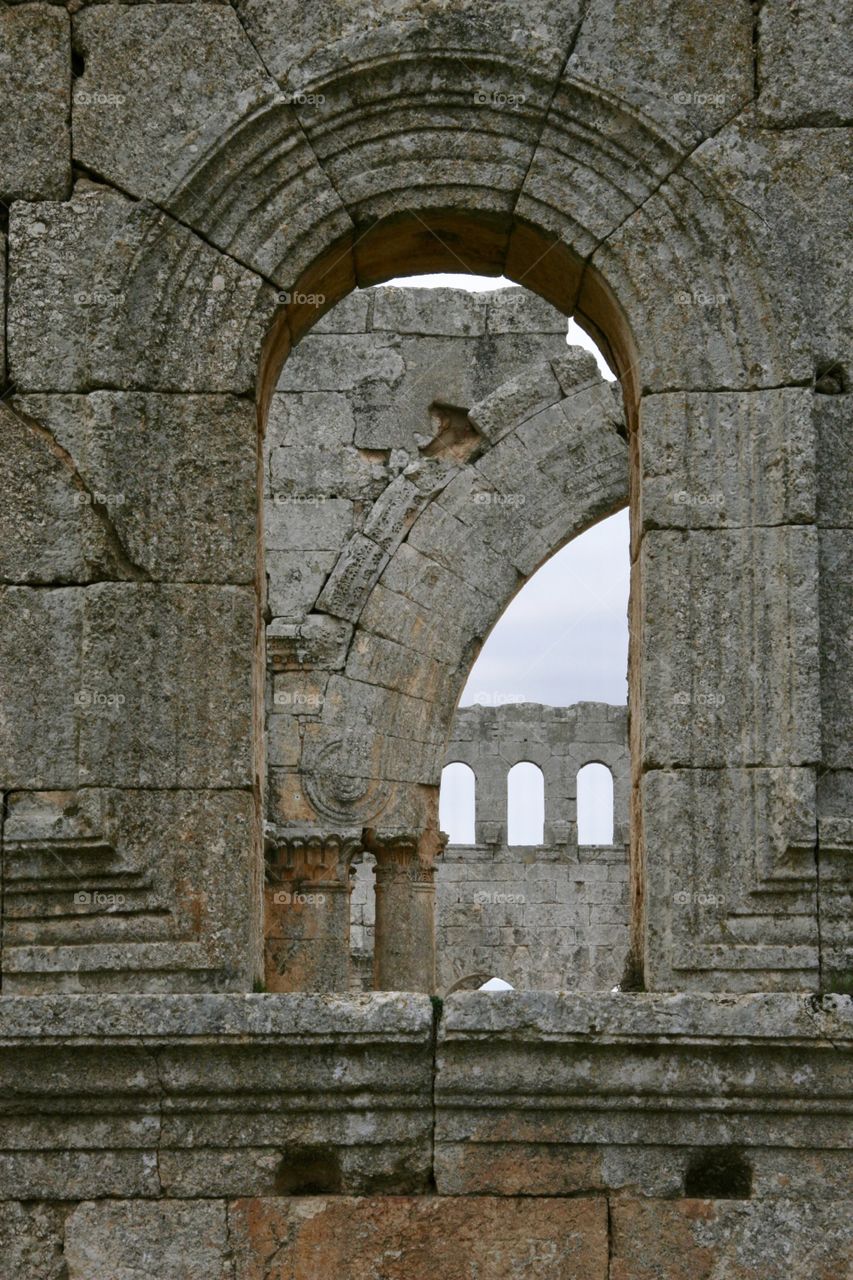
point(200, 261)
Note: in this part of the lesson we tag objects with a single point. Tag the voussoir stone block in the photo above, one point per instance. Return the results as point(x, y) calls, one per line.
point(217, 144)
point(105, 292)
point(35, 87)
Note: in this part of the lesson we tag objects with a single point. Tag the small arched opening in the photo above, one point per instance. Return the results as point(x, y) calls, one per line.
point(525, 797)
point(595, 804)
point(457, 804)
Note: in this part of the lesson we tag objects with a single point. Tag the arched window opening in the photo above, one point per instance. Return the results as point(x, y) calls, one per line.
point(525, 797)
point(595, 804)
point(496, 984)
point(457, 803)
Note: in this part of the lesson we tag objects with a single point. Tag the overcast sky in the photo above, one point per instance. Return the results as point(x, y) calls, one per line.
point(564, 638)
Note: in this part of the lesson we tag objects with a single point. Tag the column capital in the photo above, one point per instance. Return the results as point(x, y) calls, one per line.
point(410, 851)
point(313, 856)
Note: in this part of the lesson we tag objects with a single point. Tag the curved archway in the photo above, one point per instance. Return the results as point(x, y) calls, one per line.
point(217, 258)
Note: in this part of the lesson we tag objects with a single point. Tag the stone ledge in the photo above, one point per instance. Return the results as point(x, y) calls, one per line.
point(555, 1093)
point(783, 1018)
point(256, 1019)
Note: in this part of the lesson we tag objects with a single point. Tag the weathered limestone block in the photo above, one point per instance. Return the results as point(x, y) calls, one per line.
point(730, 647)
point(793, 190)
point(836, 648)
point(51, 530)
point(35, 86)
point(142, 141)
point(291, 525)
point(350, 315)
point(215, 1095)
point(296, 580)
point(184, 1240)
point(140, 641)
point(106, 292)
point(40, 632)
point(551, 1093)
point(128, 890)
point(31, 1238)
point(731, 459)
point(835, 461)
point(697, 1239)
point(801, 78)
point(318, 470)
point(113, 704)
point(3, 308)
point(323, 419)
point(708, 319)
point(730, 879)
point(321, 362)
point(224, 153)
point(431, 311)
point(299, 44)
point(655, 55)
point(176, 476)
point(404, 1238)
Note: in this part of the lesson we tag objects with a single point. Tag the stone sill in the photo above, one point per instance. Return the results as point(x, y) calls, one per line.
point(534, 1094)
point(523, 1017)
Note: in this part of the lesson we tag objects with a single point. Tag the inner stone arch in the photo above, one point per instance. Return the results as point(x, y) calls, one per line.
point(391, 552)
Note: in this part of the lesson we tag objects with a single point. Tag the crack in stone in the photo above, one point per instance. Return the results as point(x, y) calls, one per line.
point(124, 561)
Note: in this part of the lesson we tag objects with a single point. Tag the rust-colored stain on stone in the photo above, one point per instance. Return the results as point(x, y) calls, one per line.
point(415, 1238)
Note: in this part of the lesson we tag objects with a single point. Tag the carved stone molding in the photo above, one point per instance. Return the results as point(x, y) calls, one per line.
point(311, 856)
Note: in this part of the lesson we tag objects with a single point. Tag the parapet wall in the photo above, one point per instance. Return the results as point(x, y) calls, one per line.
point(552, 916)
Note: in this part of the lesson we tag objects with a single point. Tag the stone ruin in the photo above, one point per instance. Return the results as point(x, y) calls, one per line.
point(230, 669)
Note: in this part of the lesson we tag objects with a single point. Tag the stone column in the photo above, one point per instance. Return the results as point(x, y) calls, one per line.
point(404, 954)
point(307, 912)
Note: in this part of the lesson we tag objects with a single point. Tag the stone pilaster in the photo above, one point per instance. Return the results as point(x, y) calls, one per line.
point(404, 954)
point(307, 911)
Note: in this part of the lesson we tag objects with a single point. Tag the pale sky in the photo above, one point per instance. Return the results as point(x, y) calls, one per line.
point(564, 638)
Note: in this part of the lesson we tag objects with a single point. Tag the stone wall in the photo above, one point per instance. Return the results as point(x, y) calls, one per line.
point(542, 917)
point(545, 1135)
point(190, 188)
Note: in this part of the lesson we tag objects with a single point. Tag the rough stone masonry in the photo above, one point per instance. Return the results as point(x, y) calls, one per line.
point(188, 192)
